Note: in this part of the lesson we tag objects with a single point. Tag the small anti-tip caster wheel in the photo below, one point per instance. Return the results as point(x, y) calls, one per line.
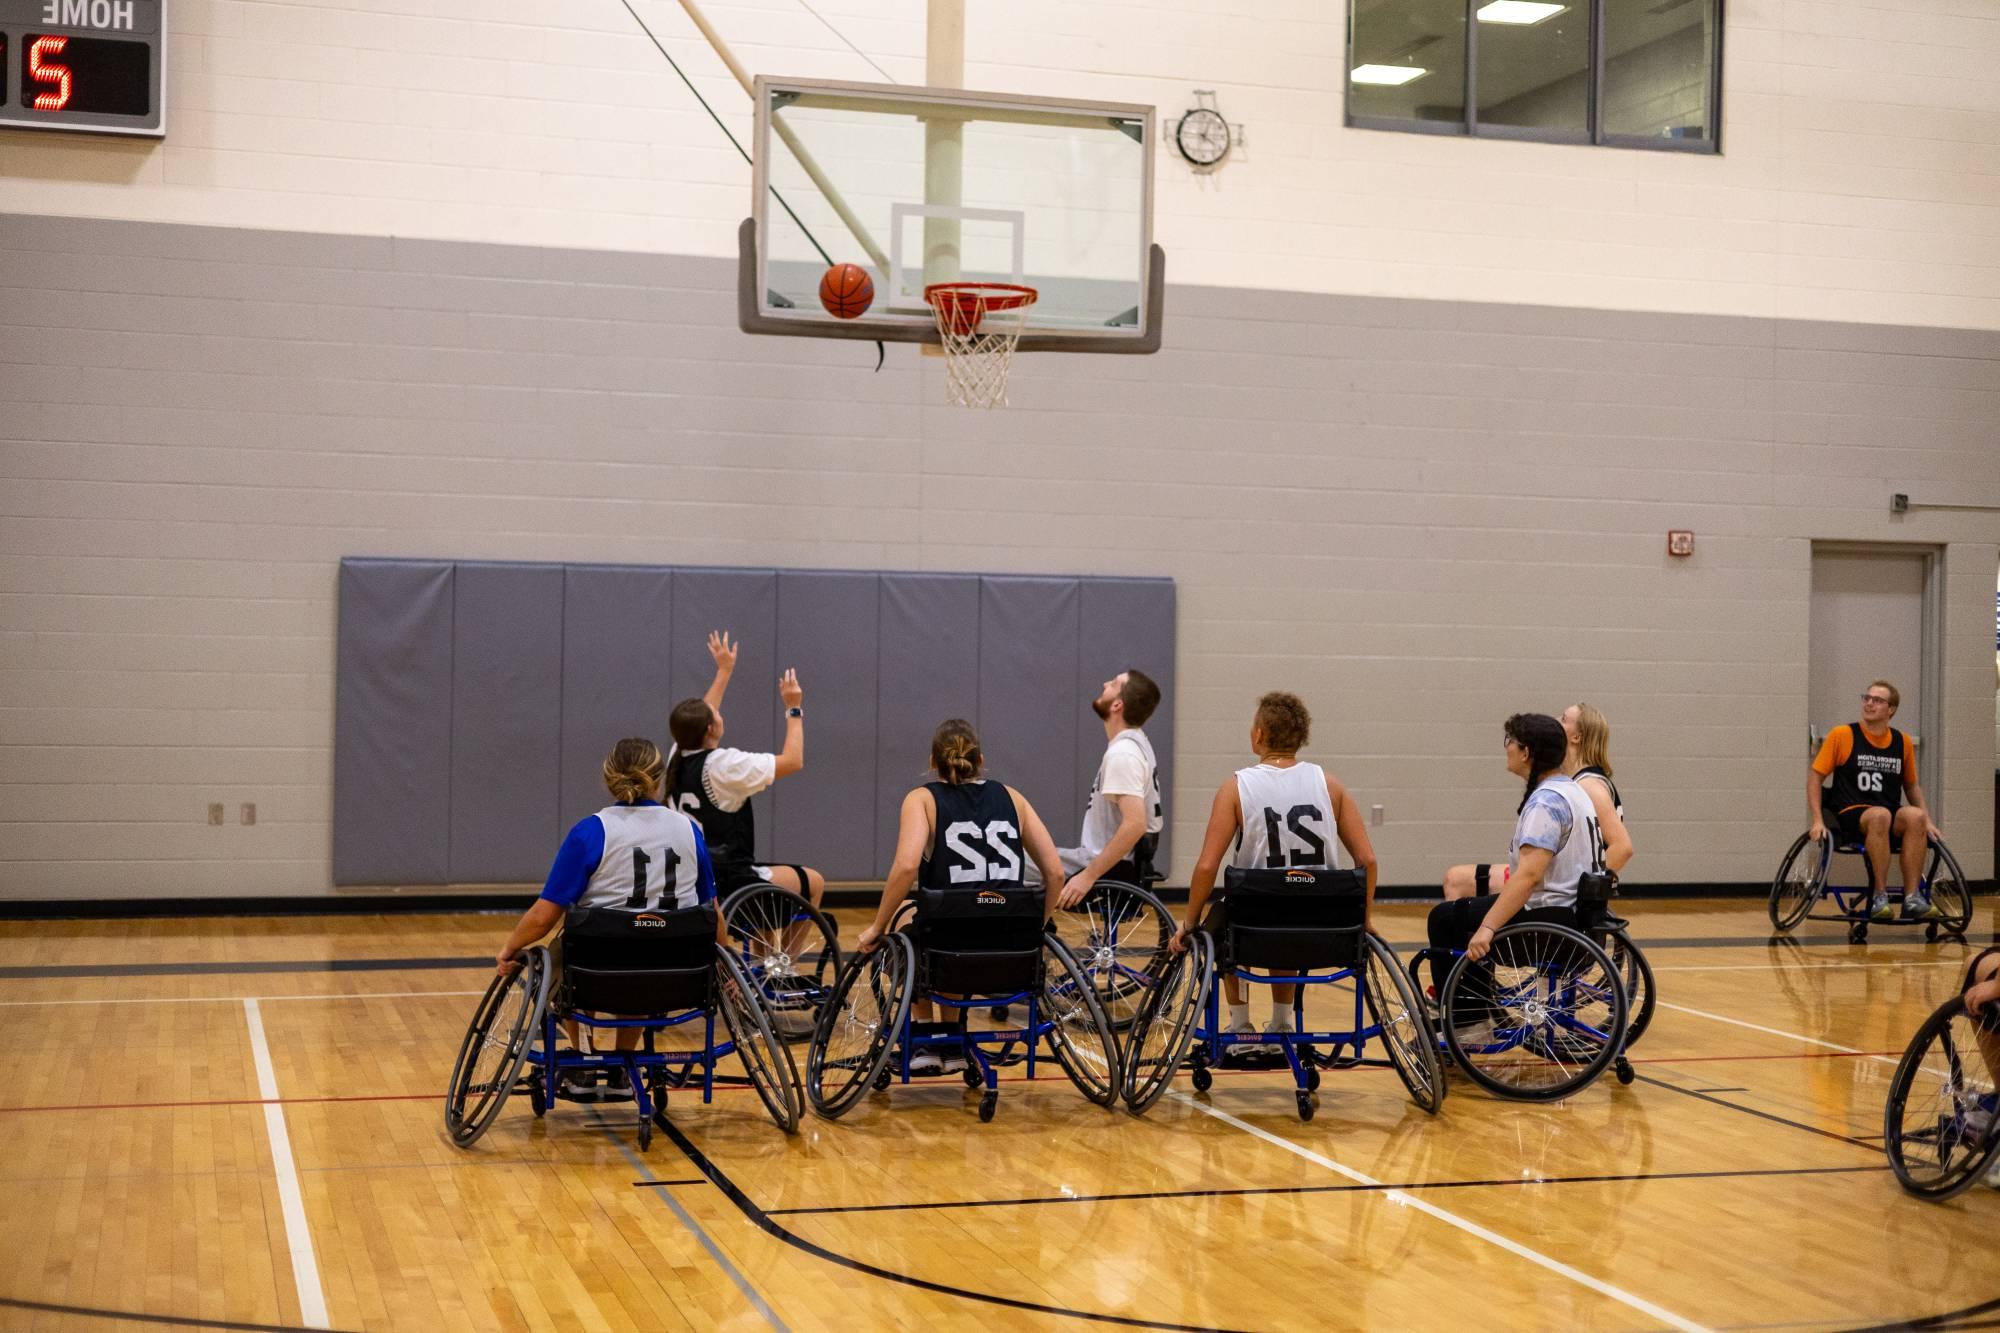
point(1305, 1106)
point(971, 1076)
point(645, 1135)
point(882, 1080)
point(1623, 1069)
point(1312, 1079)
point(988, 1104)
point(1857, 933)
point(1203, 1080)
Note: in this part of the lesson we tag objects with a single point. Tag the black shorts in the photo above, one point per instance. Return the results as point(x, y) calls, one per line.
point(733, 875)
point(1850, 824)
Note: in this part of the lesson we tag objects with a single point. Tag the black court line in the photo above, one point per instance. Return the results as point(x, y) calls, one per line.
point(1968, 1318)
point(1772, 1116)
point(220, 969)
point(762, 1220)
point(140, 1317)
point(655, 1184)
point(1409, 1187)
point(1718, 1089)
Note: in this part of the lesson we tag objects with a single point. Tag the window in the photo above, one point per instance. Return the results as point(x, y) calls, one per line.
point(1631, 73)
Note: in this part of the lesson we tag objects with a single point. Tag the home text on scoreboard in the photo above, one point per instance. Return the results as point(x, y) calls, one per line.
point(89, 65)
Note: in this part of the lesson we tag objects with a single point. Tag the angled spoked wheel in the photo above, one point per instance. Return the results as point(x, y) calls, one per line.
point(859, 1026)
point(1637, 974)
point(766, 1058)
point(1941, 1125)
point(1406, 1028)
point(790, 950)
point(1084, 1044)
point(1950, 895)
point(1164, 1028)
point(1800, 880)
point(495, 1046)
point(1540, 1018)
point(1118, 934)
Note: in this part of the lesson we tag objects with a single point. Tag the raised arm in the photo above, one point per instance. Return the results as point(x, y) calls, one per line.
point(1225, 816)
point(793, 757)
point(723, 650)
point(1347, 823)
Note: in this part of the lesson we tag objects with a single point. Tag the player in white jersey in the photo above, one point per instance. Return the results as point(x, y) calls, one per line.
point(1281, 811)
point(635, 856)
point(1122, 822)
point(1556, 843)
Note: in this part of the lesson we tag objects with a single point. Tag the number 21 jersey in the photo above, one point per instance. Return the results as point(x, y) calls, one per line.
point(1286, 821)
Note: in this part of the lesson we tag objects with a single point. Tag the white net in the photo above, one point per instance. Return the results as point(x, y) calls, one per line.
point(978, 327)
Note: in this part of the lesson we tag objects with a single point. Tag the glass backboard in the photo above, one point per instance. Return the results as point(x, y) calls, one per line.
point(926, 185)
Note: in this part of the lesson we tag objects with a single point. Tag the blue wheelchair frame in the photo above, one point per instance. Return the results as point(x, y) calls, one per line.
point(676, 1068)
point(1852, 903)
point(1341, 896)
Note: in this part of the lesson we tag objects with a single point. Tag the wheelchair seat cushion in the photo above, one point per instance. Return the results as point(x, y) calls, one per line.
point(1296, 918)
point(979, 940)
point(638, 962)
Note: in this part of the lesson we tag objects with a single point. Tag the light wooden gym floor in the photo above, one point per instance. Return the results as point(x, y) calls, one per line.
point(153, 1171)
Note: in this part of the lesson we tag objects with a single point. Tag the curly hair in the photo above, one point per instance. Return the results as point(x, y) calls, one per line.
point(1283, 719)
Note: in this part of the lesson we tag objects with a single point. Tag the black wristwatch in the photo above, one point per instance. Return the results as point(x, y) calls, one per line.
point(795, 711)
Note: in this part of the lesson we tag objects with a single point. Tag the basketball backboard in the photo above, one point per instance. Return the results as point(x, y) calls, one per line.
point(927, 185)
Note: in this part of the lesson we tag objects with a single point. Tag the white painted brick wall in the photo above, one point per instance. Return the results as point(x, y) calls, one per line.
point(1858, 181)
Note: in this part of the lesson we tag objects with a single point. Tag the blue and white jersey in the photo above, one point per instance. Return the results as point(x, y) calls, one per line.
point(640, 857)
point(1560, 820)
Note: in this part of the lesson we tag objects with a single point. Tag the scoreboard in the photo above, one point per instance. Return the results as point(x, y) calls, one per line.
point(89, 65)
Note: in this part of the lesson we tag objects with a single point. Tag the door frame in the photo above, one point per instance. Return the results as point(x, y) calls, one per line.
point(1930, 653)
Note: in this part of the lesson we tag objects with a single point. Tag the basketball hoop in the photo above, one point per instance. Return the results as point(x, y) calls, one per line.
point(978, 325)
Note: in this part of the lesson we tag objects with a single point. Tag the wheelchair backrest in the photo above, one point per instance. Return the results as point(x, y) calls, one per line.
point(638, 962)
point(1294, 918)
point(980, 941)
point(1594, 892)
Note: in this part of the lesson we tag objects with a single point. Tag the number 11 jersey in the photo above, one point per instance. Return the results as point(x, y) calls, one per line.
point(643, 857)
point(1286, 819)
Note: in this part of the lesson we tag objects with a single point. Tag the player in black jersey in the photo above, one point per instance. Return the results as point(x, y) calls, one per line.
point(1873, 772)
point(714, 784)
point(966, 832)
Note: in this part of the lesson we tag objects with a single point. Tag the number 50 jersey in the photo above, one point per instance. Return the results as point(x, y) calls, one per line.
point(644, 857)
point(1286, 821)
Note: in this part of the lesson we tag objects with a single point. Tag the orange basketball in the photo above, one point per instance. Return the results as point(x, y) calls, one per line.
point(846, 291)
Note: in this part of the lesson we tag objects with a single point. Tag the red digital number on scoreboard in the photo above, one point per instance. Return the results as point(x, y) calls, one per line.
point(45, 73)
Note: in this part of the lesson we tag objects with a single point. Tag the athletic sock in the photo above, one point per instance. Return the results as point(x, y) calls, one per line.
point(1281, 1019)
point(1239, 1014)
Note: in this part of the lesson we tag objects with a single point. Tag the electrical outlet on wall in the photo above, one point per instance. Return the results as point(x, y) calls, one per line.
point(249, 813)
point(1375, 815)
point(215, 812)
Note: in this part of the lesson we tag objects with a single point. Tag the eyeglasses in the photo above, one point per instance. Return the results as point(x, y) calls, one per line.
point(1506, 741)
point(1882, 699)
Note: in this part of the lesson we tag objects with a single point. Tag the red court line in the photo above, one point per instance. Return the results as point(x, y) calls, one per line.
point(1013, 1078)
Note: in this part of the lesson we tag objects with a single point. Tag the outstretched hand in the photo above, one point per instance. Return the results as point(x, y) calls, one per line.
point(723, 649)
point(789, 689)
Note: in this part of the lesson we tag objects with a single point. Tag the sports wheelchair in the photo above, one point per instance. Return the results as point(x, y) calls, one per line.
point(1547, 1011)
point(965, 949)
point(1804, 877)
point(1941, 1124)
point(1119, 935)
point(662, 970)
point(790, 949)
point(1306, 927)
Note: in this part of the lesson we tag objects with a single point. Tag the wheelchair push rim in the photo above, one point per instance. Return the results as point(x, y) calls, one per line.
point(767, 1060)
point(1118, 934)
point(1556, 1019)
point(1942, 1091)
point(1944, 880)
point(1164, 1029)
point(866, 1016)
point(496, 1041)
point(1079, 1031)
point(1800, 880)
point(790, 949)
point(1405, 1027)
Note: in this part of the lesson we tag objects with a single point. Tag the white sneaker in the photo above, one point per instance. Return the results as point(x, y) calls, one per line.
point(924, 1063)
point(952, 1063)
point(1244, 1029)
point(1279, 1026)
